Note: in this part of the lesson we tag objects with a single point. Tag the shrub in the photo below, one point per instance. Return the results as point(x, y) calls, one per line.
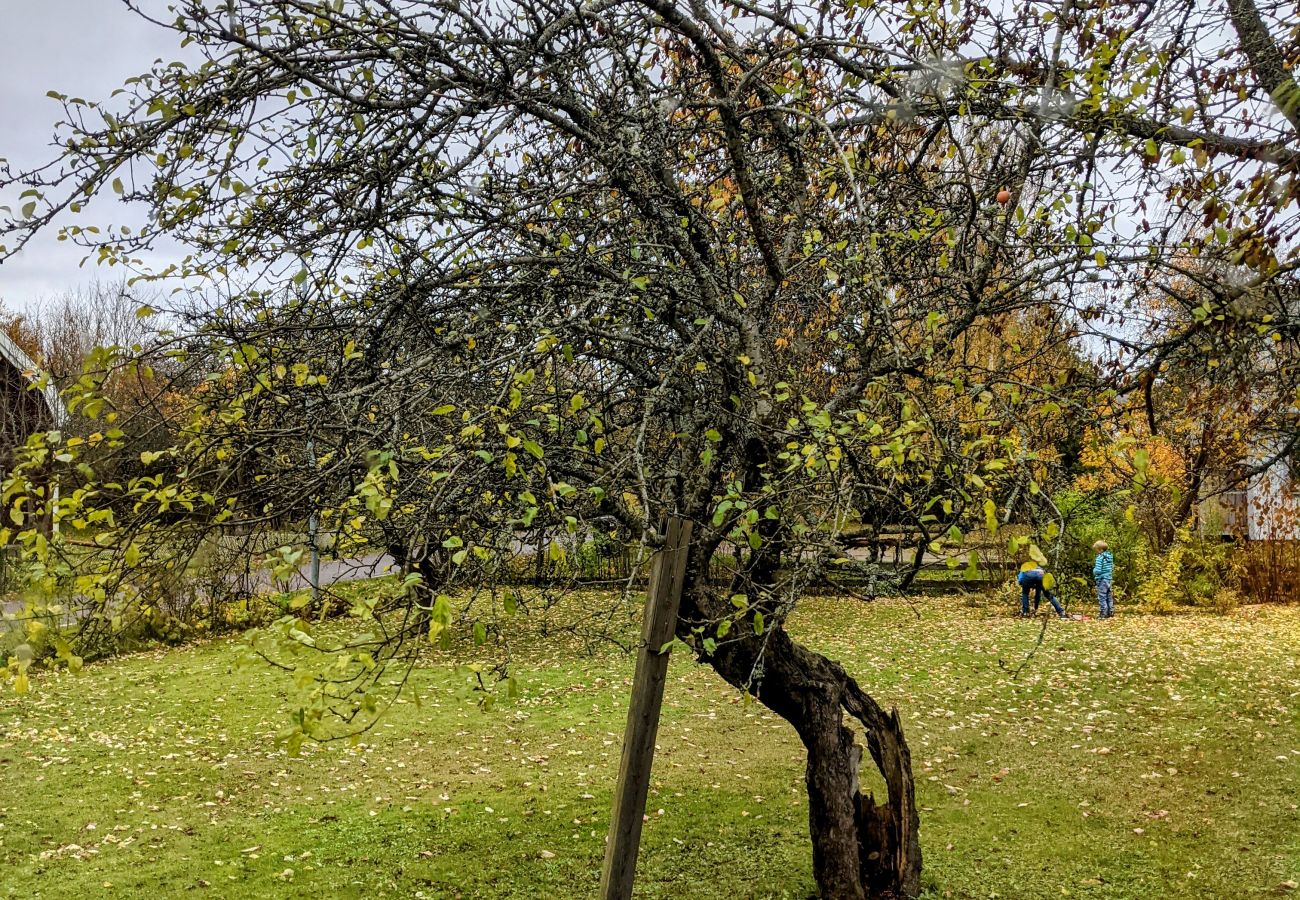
point(1102, 515)
point(32, 627)
point(1226, 600)
point(1269, 571)
point(1195, 571)
point(1160, 591)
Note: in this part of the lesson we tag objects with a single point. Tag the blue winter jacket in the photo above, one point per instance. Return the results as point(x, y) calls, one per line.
point(1031, 578)
point(1104, 568)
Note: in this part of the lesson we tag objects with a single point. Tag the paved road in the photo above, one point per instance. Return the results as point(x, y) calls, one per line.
point(336, 571)
point(332, 571)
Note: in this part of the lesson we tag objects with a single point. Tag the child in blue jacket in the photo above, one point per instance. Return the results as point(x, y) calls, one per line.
point(1103, 573)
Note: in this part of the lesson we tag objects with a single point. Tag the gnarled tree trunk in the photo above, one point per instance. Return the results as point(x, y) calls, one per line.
point(860, 848)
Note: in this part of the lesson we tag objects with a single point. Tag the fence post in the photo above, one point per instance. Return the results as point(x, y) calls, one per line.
point(663, 597)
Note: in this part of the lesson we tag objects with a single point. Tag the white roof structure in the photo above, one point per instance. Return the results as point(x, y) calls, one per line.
point(14, 355)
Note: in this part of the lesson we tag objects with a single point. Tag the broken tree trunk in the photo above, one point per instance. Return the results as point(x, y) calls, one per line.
point(861, 848)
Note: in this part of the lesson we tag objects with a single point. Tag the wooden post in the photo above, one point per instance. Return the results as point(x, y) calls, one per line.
point(663, 597)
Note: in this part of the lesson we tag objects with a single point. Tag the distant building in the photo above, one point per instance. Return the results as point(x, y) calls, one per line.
point(1265, 508)
point(24, 407)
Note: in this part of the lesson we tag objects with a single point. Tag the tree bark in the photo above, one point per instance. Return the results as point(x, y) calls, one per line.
point(1195, 478)
point(1266, 59)
point(860, 848)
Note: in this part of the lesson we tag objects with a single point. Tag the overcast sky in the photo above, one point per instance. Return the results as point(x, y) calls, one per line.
point(83, 48)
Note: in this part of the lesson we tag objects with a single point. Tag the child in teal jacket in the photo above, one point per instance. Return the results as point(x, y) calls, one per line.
point(1103, 573)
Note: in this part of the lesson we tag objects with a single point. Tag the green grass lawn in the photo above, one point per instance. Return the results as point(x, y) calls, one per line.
point(1141, 757)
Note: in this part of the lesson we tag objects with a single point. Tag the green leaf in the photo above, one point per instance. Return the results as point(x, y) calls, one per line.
point(720, 515)
point(758, 623)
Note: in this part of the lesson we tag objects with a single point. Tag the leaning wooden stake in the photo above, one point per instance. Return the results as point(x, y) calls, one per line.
point(667, 575)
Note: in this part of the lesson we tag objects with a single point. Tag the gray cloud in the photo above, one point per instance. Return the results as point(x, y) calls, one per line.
point(83, 48)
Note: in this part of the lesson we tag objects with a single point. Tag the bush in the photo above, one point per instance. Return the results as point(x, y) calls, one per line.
point(1101, 516)
point(1226, 600)
point(33, 627)
point(1195, 571)
point(1269, 571)
point(1160, 590)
